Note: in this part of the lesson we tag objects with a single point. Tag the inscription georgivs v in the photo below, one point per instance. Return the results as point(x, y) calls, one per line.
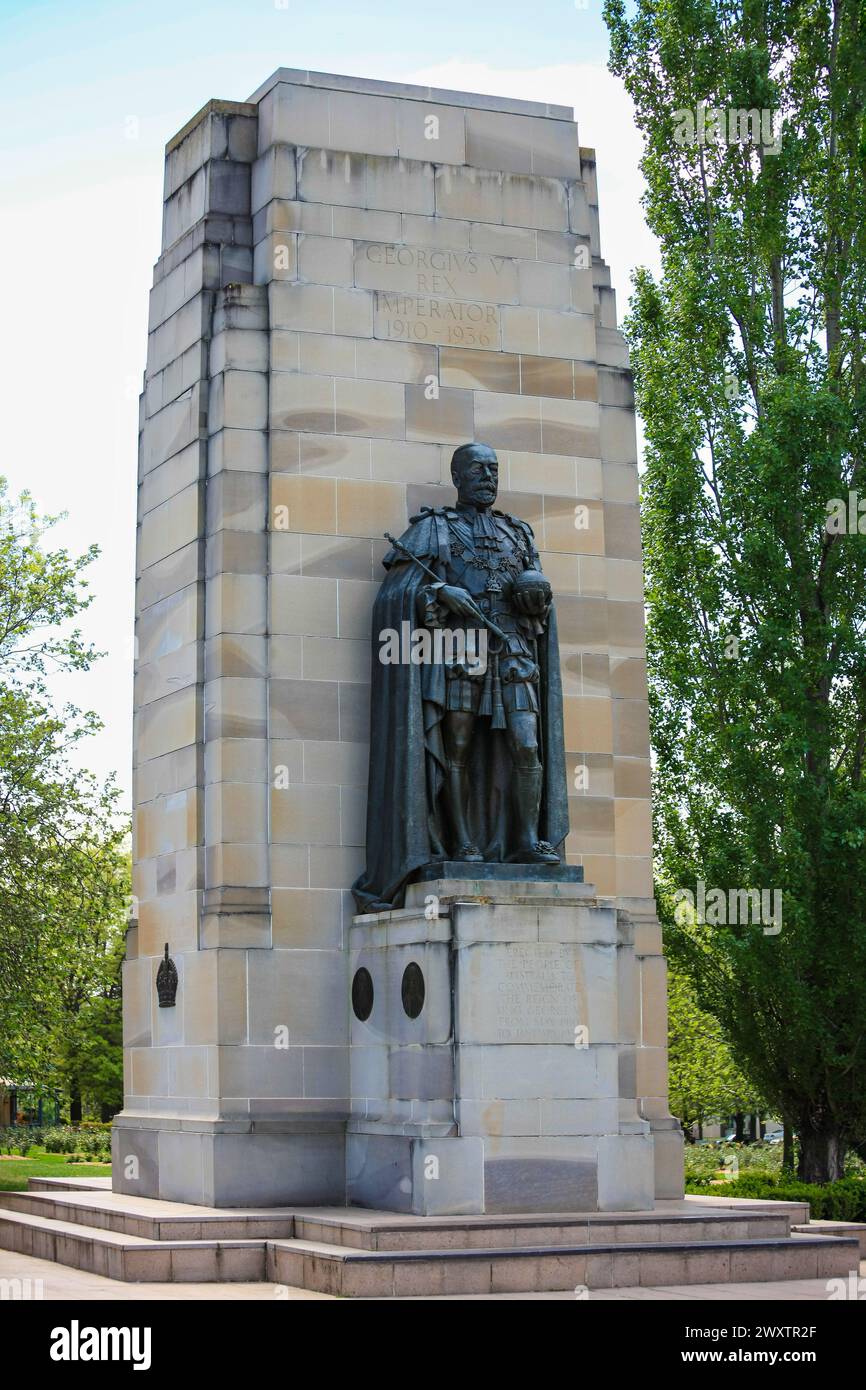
point(431, 295)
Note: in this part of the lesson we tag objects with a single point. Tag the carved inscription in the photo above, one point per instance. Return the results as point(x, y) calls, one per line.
point(536, 995)
point(415, 318)
point(434, 294)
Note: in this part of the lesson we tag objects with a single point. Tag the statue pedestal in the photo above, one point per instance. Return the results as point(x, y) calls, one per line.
point(512, 1088)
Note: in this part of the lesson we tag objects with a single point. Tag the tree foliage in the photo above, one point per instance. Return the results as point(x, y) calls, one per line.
point(704, 1081)
point(749, 371)
point(63, 871)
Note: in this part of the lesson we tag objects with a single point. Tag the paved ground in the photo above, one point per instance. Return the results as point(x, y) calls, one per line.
point(61, 1282)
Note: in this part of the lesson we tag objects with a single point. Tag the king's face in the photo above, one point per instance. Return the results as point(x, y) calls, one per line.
point(477, 482)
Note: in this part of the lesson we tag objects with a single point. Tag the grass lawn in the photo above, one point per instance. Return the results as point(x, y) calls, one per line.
point(14, 1172)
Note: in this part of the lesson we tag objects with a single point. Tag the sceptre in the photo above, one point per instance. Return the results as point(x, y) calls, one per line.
point(497, 631)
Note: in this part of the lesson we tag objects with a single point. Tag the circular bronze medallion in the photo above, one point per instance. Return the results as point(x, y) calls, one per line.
point(362, 994)
point(412, 990)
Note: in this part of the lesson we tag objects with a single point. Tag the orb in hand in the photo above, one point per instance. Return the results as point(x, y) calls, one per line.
point(531, 592)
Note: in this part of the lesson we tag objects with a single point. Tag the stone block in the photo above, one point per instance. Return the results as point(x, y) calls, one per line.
point(240, 451)
point(275, 258)
point(626, 1180)
point(480, 370)
point(532, 201)
point(426, 131)
point(499, 1071)
point(521, 144)
point(302, 402)
point(305, 917)
point(236, 603)
point(368, 509)
point(236, 500)
point(325, 260)
point(399, 185)
point(504, 241)
point(173, 428)
point(306, 606)
point(444, 232)
point(398, 362)
point(364, 123)
point(552, 1174)
point(448, 418)
point(374, 408)
point(293, 115)
point(273, 176)
point(303, 709)
point(301, 991)
point(166, 725)
point(618, 440)
point(365, 223)
point(305, 815)
point(300, 503)
point(326, 176)
point(179, 332)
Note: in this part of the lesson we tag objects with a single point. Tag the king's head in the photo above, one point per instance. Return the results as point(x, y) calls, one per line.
point(475, 474)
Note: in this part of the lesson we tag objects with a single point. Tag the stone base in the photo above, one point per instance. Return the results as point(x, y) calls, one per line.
point(227, 1164)
point(420, 1175)
point(349, 1253)
point(474, 1175)
point(507, 1091)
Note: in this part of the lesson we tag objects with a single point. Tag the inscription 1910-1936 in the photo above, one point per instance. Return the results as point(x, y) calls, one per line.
point(422, 319)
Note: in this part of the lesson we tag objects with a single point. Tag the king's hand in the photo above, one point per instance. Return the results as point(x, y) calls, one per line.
point(533, 603)
point(458, 601)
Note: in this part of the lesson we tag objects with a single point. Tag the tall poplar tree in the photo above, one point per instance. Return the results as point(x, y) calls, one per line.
point(749, 365)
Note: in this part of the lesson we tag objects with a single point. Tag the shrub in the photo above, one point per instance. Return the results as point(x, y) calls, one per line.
point(844, 1200)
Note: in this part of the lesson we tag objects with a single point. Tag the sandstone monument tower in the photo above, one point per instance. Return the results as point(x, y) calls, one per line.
point(356, 278)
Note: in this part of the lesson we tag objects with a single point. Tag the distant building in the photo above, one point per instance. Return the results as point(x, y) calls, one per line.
point(22, 1103)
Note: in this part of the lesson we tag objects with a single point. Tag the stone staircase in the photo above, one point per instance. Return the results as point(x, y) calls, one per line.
point(355, 1253)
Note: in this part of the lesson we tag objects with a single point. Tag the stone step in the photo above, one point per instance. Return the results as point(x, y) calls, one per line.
point(132, 1259)
point(69, 1184)
point(835, 1228)
point(348, 1273)
point(379, 1231)
point(151, 1219)
point(339, 1270)
point(363, 1229)
point(797, 1211)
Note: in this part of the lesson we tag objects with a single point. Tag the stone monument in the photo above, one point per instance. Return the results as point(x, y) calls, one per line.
point(357, 279)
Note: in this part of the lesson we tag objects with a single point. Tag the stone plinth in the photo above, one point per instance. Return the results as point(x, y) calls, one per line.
point(505, 1092)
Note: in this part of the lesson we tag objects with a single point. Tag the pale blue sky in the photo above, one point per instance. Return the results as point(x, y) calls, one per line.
point(89, 95)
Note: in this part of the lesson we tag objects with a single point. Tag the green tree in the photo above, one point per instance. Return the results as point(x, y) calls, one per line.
point(90, 1037)
point(60, 834)
point(749, 370)
point(704, 1081)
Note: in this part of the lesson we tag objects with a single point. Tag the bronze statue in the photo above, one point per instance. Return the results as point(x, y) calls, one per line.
point(466, 750)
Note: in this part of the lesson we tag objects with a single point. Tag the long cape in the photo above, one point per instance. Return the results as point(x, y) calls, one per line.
point(405, 818)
